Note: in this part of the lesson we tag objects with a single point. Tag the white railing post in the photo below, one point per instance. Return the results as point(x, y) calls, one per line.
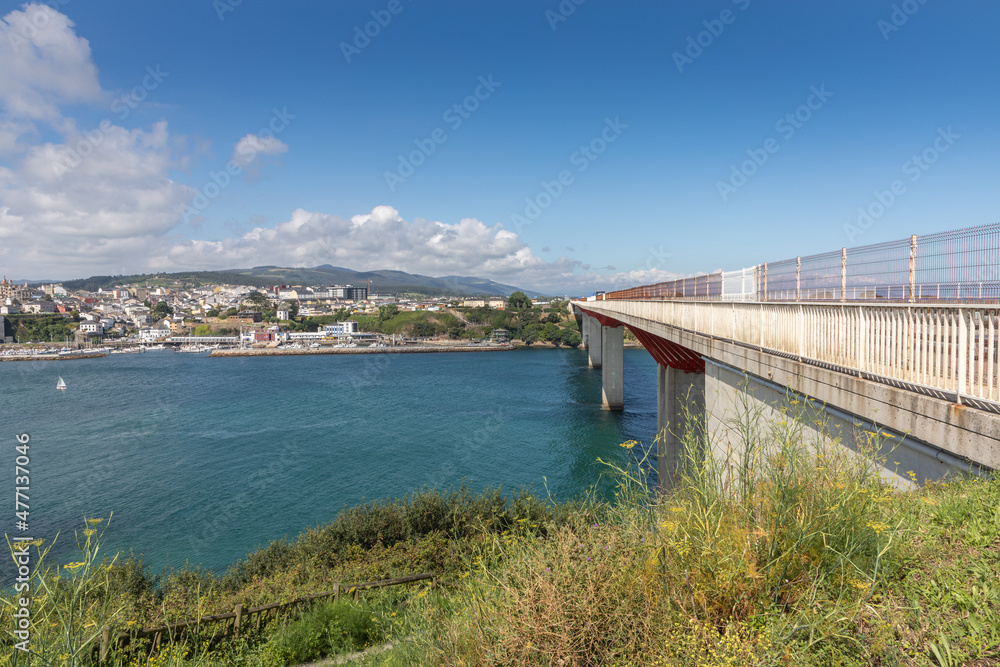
point(843, 274)
point(913, 267)
point(963, 352)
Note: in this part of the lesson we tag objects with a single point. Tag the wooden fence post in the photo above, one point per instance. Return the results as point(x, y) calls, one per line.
point(336, 592)
point(237, 621)
point(105, 640)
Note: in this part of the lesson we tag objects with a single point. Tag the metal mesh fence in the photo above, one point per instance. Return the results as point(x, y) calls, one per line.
point(949, 267)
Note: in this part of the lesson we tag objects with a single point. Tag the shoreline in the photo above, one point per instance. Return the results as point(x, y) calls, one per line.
point(279, 352)
point(50, 357)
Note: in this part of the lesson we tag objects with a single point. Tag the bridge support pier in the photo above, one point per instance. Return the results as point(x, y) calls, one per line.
point(613, 367)
point(675, 391)
point(582, 321)
point(594, 341)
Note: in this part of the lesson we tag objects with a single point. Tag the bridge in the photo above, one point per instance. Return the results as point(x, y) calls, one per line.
point(899, 338)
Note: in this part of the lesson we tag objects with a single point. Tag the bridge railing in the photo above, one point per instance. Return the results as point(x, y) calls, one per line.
point(950, 349)
point(951, 267)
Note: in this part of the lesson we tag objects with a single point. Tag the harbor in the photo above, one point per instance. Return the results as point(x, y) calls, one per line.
point(399, 349)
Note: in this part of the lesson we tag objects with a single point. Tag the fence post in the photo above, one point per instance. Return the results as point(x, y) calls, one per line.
point(843, 275)
point(913, 267)
point(798, 273)
point(336, 593)
point(237, 621)
point(963, 353)
point(763, 296)
point(105, 640)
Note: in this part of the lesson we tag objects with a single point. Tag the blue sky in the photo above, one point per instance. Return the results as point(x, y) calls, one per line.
point(551, 145)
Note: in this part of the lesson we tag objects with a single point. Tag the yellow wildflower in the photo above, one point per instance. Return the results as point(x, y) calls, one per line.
point(629, 444)
point(73, 566)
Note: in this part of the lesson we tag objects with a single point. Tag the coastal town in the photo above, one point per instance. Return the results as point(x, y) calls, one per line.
point(42, 316)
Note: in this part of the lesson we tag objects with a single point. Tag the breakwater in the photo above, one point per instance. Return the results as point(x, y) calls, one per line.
point(49, 357)
point(402, 349)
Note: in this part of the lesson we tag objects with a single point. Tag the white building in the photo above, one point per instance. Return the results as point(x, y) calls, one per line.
point(161, 330)
point(348, 328)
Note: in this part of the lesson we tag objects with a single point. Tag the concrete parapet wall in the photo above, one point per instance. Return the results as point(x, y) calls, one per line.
point(929, 423)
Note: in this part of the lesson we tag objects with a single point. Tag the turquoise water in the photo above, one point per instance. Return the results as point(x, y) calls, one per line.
point(204, 460)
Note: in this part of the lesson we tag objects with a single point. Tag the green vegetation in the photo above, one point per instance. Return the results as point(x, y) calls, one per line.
point(40, 328)
point(184, 279)
point(160, 310)
point(785, 549)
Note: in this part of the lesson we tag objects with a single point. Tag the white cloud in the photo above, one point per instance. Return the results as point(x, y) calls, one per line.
point(250, 147)
point(98, 199)
point(382, 239)
point(43, 63)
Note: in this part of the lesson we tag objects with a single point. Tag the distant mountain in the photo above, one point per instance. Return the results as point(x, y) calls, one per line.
point(382, 282)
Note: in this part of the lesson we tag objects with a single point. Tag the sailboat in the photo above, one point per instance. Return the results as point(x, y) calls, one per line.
point(61, 385)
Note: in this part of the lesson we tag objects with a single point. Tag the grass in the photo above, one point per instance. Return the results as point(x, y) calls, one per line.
point(786, 549)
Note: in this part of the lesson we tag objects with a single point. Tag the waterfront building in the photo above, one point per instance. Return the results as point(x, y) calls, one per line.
point(154, 333)
point(348, 328)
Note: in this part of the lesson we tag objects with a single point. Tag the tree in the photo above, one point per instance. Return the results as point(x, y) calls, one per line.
point(423, 329)
point(529, 334)
point(551, 333)
point(571, 337)
point(387, 312)
point(161, 310)
point(518, 300)
point(256, 301)
point(553, 318)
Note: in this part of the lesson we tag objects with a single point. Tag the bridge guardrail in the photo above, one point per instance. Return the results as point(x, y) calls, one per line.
point(951, 267)
point(947, 348)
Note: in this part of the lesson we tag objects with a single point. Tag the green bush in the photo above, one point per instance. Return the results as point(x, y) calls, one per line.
point(331, 628)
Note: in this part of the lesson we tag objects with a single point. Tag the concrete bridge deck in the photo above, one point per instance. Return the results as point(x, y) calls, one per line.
point(916, 357)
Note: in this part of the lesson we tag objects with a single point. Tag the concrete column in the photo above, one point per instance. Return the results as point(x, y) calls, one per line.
point(613, 368)
point(594, 342)
point(584, 324)
point(674, 390)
